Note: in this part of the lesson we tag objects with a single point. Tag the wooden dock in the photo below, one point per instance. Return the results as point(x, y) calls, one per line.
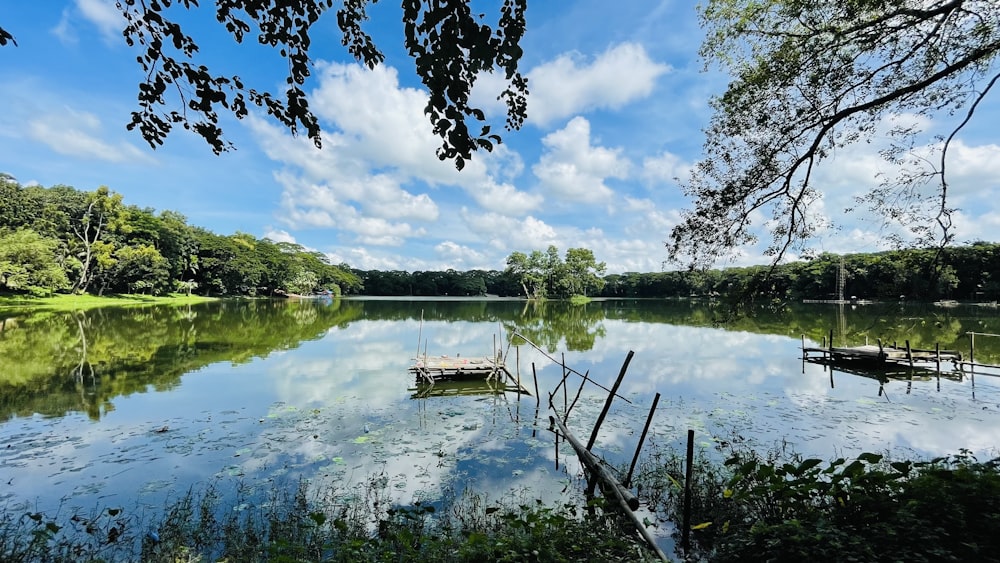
point(873, 353)
point(879, 354)
point(433, 369)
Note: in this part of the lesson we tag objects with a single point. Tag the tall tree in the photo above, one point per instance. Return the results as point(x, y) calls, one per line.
point(586, 275)
point(103, 211)
point(18, 207)
point(529, 271)
point(812, 77)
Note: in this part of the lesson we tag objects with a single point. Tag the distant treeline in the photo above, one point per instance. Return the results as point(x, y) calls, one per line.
point(60, 239)
point(967, 273)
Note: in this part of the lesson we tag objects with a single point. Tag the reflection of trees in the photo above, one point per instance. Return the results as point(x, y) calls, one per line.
point(83, 373)
point(548, 323)
point(56, 363)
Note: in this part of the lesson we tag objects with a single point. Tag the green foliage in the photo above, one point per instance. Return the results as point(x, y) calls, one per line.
point(104, 246)
point(28, 263)
point(781, 507)
point(966, 272)
point(140, 269)
point(34, 537)
point(547, 275)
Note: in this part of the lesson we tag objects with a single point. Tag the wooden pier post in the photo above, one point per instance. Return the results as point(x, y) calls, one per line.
point(972, 348)
point(804, 354)
point(909, 356)
point(831, 342)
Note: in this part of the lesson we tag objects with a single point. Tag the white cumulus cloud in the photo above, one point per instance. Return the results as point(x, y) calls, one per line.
point(569, 85)
point(573, 170)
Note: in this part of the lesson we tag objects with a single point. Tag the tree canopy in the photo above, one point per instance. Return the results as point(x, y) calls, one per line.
point(61, 239)
point(812, 77)
point(545, 274)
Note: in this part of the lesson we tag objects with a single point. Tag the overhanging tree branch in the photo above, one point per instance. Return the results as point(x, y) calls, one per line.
point(811, 78)
point(449, 43)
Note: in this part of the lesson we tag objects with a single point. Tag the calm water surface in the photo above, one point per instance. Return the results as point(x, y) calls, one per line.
point(118, 407)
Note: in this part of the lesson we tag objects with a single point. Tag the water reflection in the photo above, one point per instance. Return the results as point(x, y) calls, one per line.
point(117, 406)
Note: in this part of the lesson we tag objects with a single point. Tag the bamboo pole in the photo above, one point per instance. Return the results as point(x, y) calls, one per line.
point(607, 404)
point(517, 368)
point(617, 491)
point(686, 523)
point(642, 438)
point(565, 390)
point(571, 370)
point(596, 467)
point(577, 397)
point(420, 333)
point(538, 397)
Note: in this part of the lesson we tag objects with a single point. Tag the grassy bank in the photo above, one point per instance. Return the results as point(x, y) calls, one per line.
point(63, 302)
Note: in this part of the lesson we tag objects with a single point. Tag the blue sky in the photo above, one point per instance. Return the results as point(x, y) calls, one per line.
point(618, 101)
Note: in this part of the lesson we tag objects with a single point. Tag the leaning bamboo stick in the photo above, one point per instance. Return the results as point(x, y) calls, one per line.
point(620, 494)
point(611, 397)
point(571, 370)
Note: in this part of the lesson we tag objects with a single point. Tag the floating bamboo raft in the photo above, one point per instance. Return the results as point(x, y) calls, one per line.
point(875, 353)
point(878, 354)
point(433, 369)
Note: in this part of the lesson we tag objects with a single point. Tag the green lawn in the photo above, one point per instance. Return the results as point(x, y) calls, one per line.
point(77, 302)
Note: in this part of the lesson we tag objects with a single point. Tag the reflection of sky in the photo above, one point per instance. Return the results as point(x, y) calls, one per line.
point(338, 410)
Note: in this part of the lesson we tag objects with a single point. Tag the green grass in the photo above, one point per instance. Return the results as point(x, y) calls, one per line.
point(73, 302)
point(580, 300)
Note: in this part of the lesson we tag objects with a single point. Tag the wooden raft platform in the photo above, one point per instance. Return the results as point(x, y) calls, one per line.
point(874, 353)
point(432, 369)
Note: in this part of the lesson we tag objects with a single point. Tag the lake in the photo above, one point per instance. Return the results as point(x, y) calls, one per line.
point(133, 406)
